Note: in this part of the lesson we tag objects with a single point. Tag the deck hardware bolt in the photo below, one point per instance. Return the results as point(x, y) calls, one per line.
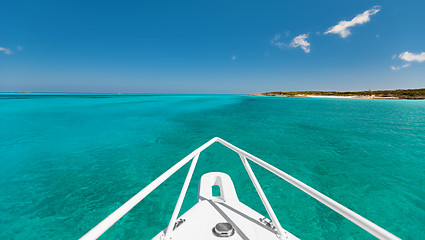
point(223, 229)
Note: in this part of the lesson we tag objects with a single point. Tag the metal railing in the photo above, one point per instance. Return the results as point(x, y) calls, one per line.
point(362, 222)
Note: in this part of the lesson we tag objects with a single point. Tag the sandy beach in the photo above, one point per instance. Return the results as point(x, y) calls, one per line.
point(354, 97)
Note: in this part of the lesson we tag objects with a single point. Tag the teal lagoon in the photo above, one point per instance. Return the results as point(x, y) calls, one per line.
point(68, 160)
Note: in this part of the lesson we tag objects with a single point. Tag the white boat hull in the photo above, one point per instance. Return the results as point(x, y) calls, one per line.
point(199, 221)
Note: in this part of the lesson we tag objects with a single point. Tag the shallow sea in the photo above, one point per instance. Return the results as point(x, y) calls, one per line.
point(68, 160)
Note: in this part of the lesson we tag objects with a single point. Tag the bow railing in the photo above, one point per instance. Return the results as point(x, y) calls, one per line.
point(362, 222)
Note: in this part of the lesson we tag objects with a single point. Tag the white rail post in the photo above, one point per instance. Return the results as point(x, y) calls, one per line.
point(263, 197)
point(179, 203)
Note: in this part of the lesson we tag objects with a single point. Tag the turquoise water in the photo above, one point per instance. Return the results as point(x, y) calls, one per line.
point(69, 160)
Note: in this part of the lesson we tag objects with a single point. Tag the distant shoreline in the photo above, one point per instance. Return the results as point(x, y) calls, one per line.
point(400, 94)
point(324, 96)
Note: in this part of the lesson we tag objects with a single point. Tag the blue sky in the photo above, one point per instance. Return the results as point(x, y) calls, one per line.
point(211, 46)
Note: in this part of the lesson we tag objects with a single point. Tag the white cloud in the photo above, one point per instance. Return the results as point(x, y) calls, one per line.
point(234, 57)
point(275, 41)
point(411, 57)
point(400, 67)
point(300, 41)
point(5, 50)
point(20, 48)
point(343, 27)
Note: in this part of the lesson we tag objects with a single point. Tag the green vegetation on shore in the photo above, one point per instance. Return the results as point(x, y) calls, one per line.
point(396, 94)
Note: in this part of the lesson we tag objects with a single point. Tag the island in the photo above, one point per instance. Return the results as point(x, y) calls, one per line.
point(378, 94)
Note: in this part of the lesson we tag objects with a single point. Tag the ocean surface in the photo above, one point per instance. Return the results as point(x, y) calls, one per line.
point(68, 160)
